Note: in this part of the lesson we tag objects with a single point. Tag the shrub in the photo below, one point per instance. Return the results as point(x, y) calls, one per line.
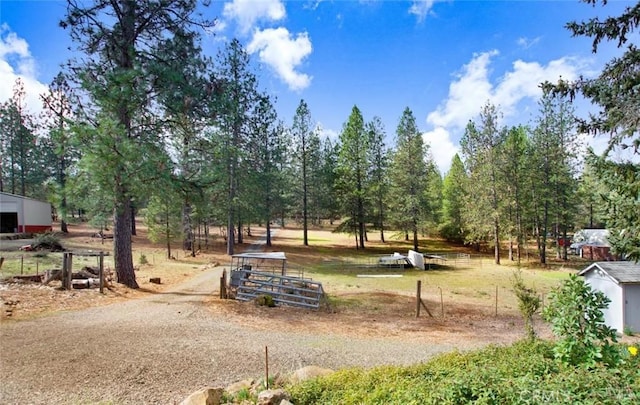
point(575, 313)
point(523, 373)
point(47, 241)
point(265, 300)
point(528, 303)
point(143, 259)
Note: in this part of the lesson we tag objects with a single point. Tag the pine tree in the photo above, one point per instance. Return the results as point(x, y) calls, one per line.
point(301, 133)
point(120, 45)
point(452, 226)
point(615, 90)
point(481, 149)
point(352, 172)
point(378, 164)
point(18, 144)
point(408, 177)
point(57, 104)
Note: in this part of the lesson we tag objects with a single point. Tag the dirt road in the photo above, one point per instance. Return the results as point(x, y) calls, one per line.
point(159, 349)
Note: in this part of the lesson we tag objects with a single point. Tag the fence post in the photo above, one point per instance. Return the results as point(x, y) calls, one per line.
point(266, 364)
point(101, 271)
point(418, 298)
point(496, 300)
point(441, 302)
point(21, 265)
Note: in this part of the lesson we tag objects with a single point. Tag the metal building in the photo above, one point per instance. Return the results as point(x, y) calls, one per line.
point(620, 282)
point(20, 214)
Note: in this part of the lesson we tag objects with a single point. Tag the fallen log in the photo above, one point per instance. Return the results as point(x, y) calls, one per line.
point(85, 283)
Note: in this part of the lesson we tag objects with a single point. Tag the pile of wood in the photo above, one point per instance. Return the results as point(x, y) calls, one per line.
point(87, 277)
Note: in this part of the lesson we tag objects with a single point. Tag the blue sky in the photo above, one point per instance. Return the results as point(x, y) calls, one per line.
point(442, 59)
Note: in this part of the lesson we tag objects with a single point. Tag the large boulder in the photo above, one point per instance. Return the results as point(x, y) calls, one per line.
point(308, 373)
point(205, 396)
point(273, 397)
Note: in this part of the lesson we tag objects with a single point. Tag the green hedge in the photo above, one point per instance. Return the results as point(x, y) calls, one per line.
point(524, 373)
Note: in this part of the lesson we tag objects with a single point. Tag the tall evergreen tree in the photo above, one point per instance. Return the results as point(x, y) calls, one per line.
point(266, 152)
point(57, 104)
point(120, 44)
point(352, 171)
point(553, 154)
point(408, 177)
point(514, 171)
point(238, 98)
point(18, 144)
point(615, 90)
point(452, 226)
point(379, 182)
point(301, 133)
point(481, 149)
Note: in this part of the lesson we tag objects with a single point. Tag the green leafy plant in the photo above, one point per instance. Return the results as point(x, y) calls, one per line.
point(265, 300)
point(575, 313)
point(528, 302)
point(143, 259)
point(627, 330)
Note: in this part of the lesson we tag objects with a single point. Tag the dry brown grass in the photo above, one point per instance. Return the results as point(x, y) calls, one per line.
point(470, 289)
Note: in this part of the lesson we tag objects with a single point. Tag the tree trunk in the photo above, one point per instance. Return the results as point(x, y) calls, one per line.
point(133, 217)
point(496, 240)
point(187, 230)
point(122, 241)
point(268, 242)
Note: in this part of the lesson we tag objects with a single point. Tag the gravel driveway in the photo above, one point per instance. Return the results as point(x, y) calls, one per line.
point(159, 349)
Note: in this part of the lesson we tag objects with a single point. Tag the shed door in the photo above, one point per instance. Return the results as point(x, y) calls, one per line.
point(632, 307)
point(8, 222)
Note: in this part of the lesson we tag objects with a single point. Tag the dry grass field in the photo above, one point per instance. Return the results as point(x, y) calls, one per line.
point(459, 294)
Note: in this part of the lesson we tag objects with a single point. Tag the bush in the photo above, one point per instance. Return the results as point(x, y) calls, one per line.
point(265, 300)
point(525, 372)
point(575, 313)
point(47, 241)
point(528, 303)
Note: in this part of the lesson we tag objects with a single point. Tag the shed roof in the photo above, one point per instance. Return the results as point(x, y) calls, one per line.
point(621, 272)
point(262, 255)
point(591, 237)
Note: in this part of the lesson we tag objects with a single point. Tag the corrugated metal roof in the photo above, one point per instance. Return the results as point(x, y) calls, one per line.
point(622, 272)
point(262, 255)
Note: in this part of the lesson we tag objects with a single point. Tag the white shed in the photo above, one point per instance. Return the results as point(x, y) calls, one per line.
point(22, 214)
point(620, 282)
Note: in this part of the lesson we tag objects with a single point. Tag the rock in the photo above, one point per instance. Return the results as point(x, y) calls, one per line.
point(234, 388)
point(205, 396)
point(308, 373)
point(272, 397)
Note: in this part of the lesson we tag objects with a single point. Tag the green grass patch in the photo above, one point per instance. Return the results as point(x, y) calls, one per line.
point(524, 373)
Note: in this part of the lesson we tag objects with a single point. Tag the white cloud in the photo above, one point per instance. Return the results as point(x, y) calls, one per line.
point(442, 149)
point(279, 50)
point(248, 12)
point(421, 8)
point(16, 62)
point(466, 94)
point(472, 87)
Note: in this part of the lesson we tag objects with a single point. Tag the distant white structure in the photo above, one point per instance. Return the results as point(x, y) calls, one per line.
point(20, 214)
point(620, 282)
point(416, 259)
